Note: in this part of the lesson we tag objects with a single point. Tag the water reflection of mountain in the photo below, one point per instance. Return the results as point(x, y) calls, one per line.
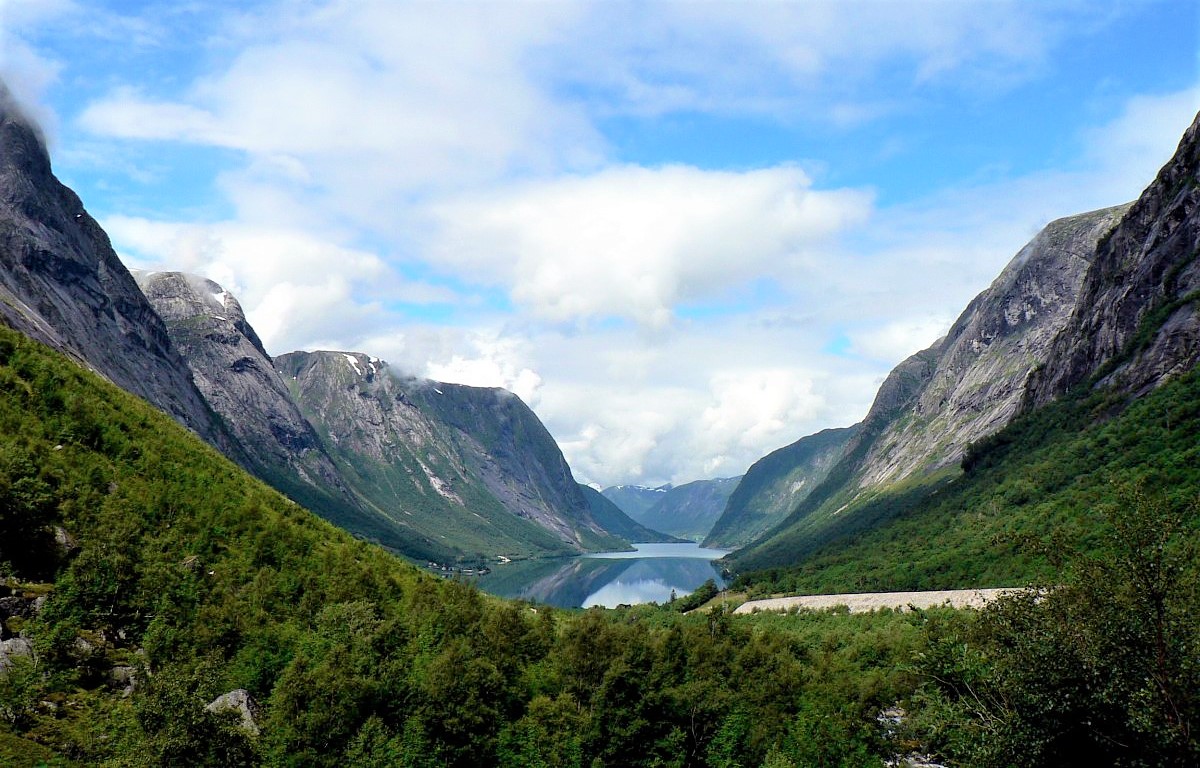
point(594, 581)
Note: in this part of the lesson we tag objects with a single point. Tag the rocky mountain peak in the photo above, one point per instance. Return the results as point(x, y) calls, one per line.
point(61, 283)
point(239, 381)
point(445, 457)
point(972, 382)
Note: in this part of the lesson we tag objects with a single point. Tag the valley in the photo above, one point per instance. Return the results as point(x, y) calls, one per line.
point(212, 555)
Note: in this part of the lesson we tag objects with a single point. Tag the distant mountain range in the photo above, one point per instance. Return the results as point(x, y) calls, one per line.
point(687, 511)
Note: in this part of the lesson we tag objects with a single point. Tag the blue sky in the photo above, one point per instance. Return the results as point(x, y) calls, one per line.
point(685, 233)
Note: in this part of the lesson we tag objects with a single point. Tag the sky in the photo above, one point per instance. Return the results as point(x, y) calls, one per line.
point(686, 234)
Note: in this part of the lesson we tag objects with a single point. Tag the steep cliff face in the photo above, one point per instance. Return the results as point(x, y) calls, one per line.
point(467, 466)
point(1137, 322)
point(61, 283)
point(234, 372)
point(775, 484)
point(968, 385)
point(984, 364)
point(238, 379)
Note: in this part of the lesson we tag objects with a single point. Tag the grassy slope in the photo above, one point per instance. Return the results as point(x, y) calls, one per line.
point(1030, 492)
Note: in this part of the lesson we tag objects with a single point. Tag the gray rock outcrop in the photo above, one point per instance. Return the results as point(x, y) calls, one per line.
point(241, 702)
point(62, 284)
point(12, 649)
point(1137, 322)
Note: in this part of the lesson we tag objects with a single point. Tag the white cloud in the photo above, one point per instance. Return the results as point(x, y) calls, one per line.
point(23, 69)
point(372, 101)
point(900, 339)
point(635, 242)
point(495, 364)
point(299, 291)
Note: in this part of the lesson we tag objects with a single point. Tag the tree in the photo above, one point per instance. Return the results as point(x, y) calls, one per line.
point(1099, 670)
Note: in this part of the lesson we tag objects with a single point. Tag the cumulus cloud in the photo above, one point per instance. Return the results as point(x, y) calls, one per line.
point(298, 290)
point(635, 242)
point(26, 72)
point(371, 102)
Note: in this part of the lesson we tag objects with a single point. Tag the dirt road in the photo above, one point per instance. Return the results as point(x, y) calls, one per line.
point(870, 601)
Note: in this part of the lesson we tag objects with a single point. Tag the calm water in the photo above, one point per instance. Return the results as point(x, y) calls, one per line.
point(608, 578)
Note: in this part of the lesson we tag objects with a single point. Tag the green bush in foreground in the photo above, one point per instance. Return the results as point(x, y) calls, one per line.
point(1101, 670)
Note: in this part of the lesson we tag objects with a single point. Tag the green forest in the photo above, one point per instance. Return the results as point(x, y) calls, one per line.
point(149, 576)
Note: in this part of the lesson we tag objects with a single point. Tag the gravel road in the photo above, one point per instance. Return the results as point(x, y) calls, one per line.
point(870, 601)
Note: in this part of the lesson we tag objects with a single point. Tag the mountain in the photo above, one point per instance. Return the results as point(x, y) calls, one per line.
point(635, 500)
point(615, 521)
point(388, 463)
point(471, 468)
point(1105, 301)
point(688, 510)
point(61, 283)
point(775, 484)
point(981, 370)
point(237, 378)
point(183, 344)
point(1137, 322)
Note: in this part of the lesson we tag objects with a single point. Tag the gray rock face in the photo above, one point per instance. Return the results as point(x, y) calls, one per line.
point(241, 702)
point(973, 382)
point(122, 678)
point(450, 463)
point(61, 283)
point(239, 381)
point(15, 648)
point(1137, 322)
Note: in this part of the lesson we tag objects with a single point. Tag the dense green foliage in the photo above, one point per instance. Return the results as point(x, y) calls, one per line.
point(1102, 670)
point(173, 565)
point(1034, 487)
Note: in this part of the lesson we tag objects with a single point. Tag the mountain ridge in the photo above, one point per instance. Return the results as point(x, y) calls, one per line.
point(1122, 280)
point(62, 283)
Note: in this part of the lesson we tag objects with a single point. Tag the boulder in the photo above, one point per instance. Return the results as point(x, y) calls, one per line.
point(243, 703)
point(122, 678)
point(12, 649)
